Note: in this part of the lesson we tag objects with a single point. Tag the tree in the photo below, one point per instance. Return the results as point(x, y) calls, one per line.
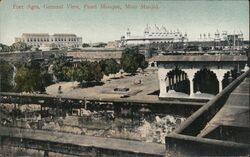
point(143, 64)
point(32, 77)
point(109, 66)
point(5, 48)
point(59, 64)
point(85, 45)
point(70, 73)
point(131, 60)
point(6, 76)
point(89, 71)
point(20, 46)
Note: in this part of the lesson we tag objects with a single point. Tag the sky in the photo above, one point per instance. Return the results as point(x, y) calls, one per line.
point(95, 24)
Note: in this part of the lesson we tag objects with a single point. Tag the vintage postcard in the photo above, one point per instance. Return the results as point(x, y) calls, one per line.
point(124, 78)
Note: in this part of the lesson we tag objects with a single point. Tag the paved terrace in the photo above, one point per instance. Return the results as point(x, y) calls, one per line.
point(221, 127)
point(105, 93)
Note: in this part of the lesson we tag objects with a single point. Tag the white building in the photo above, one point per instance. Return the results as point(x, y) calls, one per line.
point(154, 35)
point(60, 40)
point(220, 36)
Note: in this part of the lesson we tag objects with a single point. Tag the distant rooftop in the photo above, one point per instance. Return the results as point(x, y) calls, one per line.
point(58, 34)
point(199, 58)
point(46, 34)
point(35, 34)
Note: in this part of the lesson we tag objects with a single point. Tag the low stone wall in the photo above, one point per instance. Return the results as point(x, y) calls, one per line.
point(71, 149)
point(183, 145)
point(78, 145)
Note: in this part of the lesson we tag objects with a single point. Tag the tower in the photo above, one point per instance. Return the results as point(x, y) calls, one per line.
point(224, 35)
point(146, 31)
point(217, 35)
point(128, 33)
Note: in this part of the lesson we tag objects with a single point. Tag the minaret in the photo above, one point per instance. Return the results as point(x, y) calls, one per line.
point(224, 35)
point(128, 33)
point(234, 41)
point(185, 37)
point(241, 35)
point(146, 31)
point(217, 35)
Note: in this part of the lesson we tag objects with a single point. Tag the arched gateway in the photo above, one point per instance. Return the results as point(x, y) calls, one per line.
point(197, 77)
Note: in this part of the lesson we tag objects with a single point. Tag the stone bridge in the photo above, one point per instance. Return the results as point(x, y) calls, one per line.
point(96, 54)
point(197, 76)
point(90, 54)
point(26, 56)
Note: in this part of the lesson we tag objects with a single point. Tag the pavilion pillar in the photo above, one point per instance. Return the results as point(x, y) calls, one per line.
point(191, 82)
point(220, 85)
point(170, 82)
point(163, 78)
point(177, 78)
point(46, 153)
point(246, 68)
point(174, 81)
point(184, 76)
point(220, 76)
point(190, 74)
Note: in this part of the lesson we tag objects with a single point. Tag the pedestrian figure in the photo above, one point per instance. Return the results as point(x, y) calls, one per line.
point(59, 89)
